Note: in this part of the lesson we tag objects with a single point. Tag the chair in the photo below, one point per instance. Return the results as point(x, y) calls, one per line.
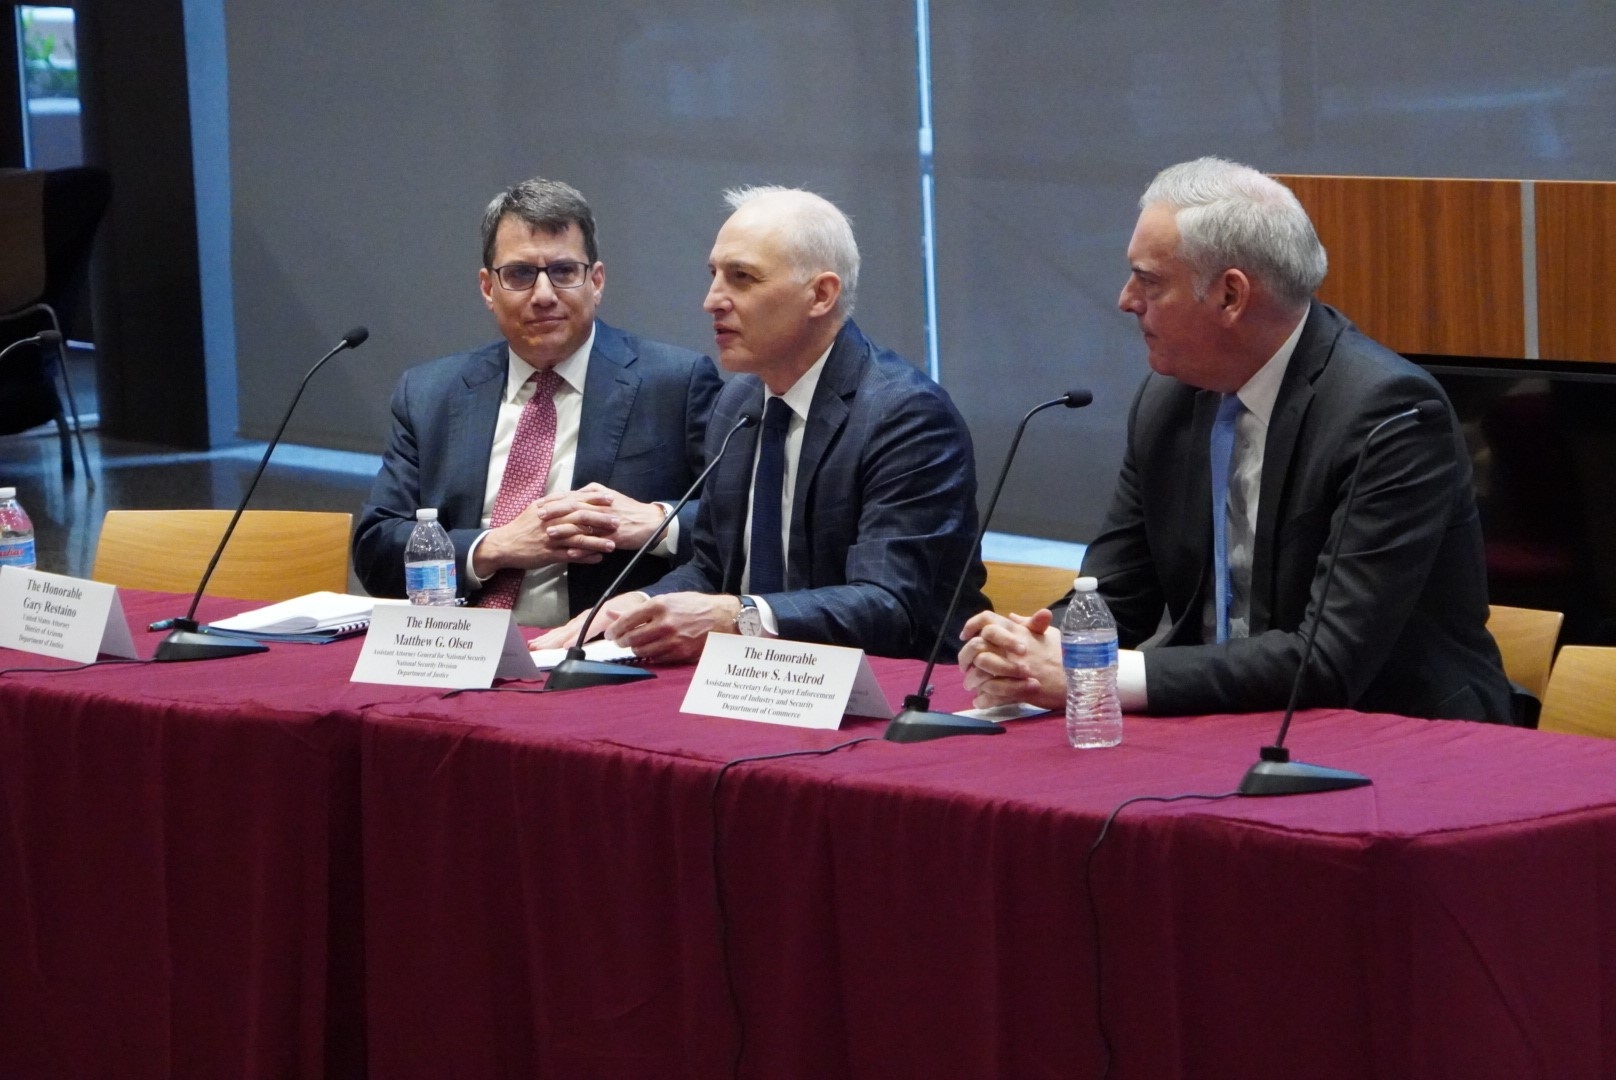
point(48, 222)
point(272, 555)
point(1581, 698)
point(1023, 588)
point(1526, 637)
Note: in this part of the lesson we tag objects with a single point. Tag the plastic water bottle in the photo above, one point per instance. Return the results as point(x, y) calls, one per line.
point(1089, 654)
point(429, 562)
point(16, 532)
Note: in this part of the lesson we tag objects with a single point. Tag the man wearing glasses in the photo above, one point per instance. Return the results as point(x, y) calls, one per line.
point(545, 453)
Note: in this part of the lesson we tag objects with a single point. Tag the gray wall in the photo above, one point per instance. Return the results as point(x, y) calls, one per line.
point(366, 136)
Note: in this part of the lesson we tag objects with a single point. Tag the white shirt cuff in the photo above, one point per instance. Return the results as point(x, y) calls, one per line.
point(771, 624)
point(471, 553)
point(669, 543)
point(1131, 680)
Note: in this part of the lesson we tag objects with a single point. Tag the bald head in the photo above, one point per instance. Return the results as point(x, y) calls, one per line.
point(815, 235)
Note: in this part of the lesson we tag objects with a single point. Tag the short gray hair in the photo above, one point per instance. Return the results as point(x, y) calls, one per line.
point(819, 236)
point(546, 205)
point(1231, 215)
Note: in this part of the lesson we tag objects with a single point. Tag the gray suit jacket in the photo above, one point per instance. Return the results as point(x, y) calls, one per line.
point(645, 414)
point(1404, 627)
point(883, 512)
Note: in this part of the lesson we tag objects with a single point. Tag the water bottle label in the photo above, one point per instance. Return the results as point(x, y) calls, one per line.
point(1089, 654)
point(15, 552)
point(433, 575)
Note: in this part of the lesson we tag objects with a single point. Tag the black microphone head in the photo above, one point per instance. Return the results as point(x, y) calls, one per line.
point(49, 337)
point(746, 420)
point(1076, 399)
point(1428, 409)
point(355, 337)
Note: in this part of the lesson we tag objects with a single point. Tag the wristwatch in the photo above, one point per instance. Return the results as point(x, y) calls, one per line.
point(749, 620)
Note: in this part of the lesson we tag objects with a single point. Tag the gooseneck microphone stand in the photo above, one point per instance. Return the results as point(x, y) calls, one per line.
point(916, 722)
point(189, 640)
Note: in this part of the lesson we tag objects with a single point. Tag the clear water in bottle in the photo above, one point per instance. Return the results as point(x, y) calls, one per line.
point(1089, 654)
point(429, 562)
point(16, 532)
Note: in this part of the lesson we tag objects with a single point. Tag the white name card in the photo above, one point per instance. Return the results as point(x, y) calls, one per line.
point(783, 682)
point(55, 615)
point(453, 647)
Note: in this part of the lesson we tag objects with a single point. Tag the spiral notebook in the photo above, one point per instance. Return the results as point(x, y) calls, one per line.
point(313, 618)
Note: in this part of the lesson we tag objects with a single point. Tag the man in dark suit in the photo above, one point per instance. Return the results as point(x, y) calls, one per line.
point(873, 508)
point(1223, 265)
point(622, 425)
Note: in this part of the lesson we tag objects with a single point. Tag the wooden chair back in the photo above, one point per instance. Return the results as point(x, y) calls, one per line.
point(1023, 588)
point(1581, 698)
point(272, 555)
point(1526, 637)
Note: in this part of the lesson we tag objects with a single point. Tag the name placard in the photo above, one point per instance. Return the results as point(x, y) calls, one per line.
point(457, 648)
point(55, 615)
point(783, 682)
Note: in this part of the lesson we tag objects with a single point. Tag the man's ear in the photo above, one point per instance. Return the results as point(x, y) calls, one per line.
point(1234, 294)
point(826, 288)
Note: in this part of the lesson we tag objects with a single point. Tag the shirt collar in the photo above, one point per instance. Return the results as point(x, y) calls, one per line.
point(573, 370)
point(801, 395)
point(1262, 389)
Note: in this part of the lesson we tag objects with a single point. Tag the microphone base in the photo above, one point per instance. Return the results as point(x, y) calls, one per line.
point(1277, 774)
point(917, 723)
point(185, 645)
point(575, 673)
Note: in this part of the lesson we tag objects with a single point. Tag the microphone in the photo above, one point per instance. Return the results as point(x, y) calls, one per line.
point(575, 671)
point(44, 337)
point(1275, 773)
point(916, 722)
point(190, 640)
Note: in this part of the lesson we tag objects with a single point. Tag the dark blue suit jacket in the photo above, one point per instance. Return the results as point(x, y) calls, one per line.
point(1404, 626)
point(645, 414)
point(883, 513)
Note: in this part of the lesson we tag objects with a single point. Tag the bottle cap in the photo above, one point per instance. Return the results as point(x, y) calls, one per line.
point(1085, 584)
point(427, 513)
point(8, 493)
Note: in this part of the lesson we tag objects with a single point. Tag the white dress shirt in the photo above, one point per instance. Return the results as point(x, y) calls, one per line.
point(542, 600)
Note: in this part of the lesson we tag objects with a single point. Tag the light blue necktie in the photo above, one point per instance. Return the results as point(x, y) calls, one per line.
point(1222, 449)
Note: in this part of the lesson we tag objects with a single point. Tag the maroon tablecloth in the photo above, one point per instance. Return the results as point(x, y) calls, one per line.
point(251, 867)
point(540, 898)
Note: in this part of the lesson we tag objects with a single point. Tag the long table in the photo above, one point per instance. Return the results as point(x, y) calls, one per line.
point(254, 868)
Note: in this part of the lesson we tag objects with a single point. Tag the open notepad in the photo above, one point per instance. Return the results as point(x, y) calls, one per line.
point(318, 616)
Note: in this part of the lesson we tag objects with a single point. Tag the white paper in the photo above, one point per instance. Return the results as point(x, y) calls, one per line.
point(455, 647)
point(312, 611)
point(775, 681)
point(56, 615)
point(599, 649)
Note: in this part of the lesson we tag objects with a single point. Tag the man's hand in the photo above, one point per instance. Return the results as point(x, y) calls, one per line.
point(671, 629)
point(569, 526)
point(1014, 658)
point(563, 637)
point(636, 521)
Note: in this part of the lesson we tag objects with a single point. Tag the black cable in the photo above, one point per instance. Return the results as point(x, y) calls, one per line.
point(74, 667)
point(1094, 911)
point(718, 884)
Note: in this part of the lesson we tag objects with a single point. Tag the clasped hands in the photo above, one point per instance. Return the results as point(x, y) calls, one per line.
point(1013, 658)
point(582, 526)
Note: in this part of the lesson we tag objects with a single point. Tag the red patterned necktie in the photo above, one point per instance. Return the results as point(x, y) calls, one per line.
point(526, 470)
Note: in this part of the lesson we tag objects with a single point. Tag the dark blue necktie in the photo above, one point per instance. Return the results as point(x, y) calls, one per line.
point(1222, 450)
point(768, 560)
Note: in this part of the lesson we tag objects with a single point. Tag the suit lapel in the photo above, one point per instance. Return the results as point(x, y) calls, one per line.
point(731, 483)
point(844, 367)
point(609, 391)
point(473, 416)
point(1279, 452)
point(1198, 456)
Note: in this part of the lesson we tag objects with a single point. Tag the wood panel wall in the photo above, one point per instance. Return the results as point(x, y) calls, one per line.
point(1441, 267)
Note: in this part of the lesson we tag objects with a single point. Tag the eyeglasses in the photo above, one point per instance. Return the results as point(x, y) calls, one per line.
point(520, 277)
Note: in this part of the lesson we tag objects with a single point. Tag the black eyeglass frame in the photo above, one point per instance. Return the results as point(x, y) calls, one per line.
point(548, 270)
